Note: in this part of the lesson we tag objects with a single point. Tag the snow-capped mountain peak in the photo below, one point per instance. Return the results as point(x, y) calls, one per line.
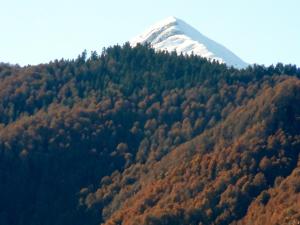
point(173, 34)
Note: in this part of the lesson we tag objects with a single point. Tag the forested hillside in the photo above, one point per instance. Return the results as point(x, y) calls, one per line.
point(132, 136)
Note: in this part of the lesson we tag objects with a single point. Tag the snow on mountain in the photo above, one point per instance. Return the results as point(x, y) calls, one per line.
point(173, 34)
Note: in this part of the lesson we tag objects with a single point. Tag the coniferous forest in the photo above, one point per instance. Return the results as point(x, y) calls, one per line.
point(132, 137)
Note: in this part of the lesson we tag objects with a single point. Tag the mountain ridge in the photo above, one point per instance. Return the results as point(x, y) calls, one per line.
point(173, 34)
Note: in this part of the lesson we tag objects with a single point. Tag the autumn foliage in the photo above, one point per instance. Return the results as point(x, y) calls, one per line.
point(137, 137)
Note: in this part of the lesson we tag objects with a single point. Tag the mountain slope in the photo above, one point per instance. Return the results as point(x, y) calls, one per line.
point(173, 34)
point(135, 136)
point(213, 178)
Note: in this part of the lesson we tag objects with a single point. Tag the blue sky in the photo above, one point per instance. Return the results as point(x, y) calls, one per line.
point(37, 31)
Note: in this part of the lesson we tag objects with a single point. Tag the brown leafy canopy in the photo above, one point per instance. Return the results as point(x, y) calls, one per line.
point(137, 137)
point(217, 184)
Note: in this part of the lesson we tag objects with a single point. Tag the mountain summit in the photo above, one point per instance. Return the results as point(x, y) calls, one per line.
point(173, 34)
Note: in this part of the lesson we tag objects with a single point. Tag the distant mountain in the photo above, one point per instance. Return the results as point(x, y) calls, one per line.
point(173, 34)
